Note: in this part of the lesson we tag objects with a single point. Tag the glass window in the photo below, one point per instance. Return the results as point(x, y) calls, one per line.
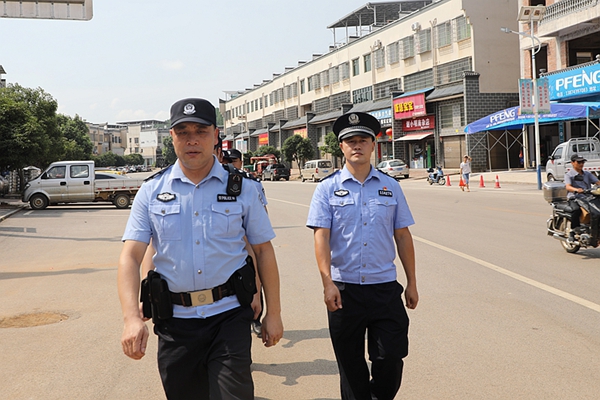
point(408, 47)
point(355, 67)
point(367, 60)
point(444, 34)
point(80, 171)
point(57, 172)
point(463, 29)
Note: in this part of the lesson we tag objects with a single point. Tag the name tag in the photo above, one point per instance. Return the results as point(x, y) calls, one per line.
point(387, 193)
point(226, 197)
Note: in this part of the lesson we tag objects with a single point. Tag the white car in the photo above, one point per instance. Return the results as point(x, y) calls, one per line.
point(394, 168)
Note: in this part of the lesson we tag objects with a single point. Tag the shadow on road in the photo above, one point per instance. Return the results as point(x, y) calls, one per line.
point(294, 337)
point(37, 274)
point(293, 371)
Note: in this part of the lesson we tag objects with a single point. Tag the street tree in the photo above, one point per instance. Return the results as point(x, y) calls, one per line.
point(76, 142)
point(263, 150)
point(134, 159)
point(332, 146)
point(169, 151)
point(299, 149)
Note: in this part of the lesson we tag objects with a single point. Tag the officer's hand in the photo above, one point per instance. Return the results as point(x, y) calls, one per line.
point(135, 338)
point(412, 297)
point(256, 306)
point(272, 329)
point(142, 312)
point(333, 298)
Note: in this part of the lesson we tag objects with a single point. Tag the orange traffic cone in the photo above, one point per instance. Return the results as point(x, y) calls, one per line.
point(448, 181)
point(481, 184)
point(497, 186)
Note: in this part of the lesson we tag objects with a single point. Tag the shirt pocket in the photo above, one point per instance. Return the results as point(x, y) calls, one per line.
point(226, 219)
point(343, 210)
point(383, 210)
point(166, 219)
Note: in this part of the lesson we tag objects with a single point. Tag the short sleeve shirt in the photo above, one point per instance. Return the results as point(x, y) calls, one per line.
point(198, 231)
point(362, 218)
point(577, 180)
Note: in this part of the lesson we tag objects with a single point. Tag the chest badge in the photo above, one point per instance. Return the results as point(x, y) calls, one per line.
point(166, 197)
point(341, 193)
point(385, 192)
point(226, 198)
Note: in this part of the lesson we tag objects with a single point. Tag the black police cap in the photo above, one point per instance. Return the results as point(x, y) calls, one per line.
point(193, 110)
point(232, 153)
point(357, 123)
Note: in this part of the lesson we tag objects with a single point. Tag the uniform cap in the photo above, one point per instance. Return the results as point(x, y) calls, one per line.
point(358, 123)
point(193, 110)
point(576, 157)
point(232, 153)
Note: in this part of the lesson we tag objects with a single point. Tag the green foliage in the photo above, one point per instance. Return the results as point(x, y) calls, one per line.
point(299, 149)
point(76, 142)
point(169, 151)
point(29, 133)
point(332, 145)
point(262, 150)
point(109, 160)
point(134, 159)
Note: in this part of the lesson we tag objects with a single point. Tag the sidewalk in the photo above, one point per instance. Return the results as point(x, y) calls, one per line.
point(10, 206)
point(489, 178)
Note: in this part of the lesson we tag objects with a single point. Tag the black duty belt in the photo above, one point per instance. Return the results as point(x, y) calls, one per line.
point(203, 297)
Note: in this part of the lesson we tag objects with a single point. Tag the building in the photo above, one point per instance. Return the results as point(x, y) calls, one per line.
point(107, 138)
point(423, 68)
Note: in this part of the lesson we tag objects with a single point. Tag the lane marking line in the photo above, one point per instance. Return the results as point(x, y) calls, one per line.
point(567, 296)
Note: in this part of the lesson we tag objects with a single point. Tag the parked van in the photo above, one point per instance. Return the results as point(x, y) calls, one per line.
point(316, 170)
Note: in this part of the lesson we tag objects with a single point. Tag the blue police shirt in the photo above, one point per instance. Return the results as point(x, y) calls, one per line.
point(197, 231)
point(362, 218)
point(577, 180)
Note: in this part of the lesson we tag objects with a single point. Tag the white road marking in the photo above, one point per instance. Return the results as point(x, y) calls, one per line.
point(521, 278)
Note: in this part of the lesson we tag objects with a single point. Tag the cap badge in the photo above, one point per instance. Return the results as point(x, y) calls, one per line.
point(353, 119)
point(189, 109)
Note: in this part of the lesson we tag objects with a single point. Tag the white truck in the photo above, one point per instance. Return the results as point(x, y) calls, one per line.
point(76, 182)
point(560, 160)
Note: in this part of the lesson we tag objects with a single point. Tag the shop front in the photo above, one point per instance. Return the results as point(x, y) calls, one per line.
point(384, 148)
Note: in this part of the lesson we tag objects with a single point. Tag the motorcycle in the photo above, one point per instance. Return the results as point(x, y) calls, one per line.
point(436, 176)
point(559, 224)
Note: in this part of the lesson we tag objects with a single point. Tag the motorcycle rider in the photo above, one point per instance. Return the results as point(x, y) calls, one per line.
point(576, 181)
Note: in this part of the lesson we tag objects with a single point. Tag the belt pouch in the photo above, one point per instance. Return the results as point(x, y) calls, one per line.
point(161, 299)
point(145, 296)
point(244, 283)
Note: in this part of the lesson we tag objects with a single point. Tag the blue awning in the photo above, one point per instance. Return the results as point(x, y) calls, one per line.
point(511, 119)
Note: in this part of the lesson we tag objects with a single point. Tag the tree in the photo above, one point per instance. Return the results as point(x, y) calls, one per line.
point(169, 151)
point(134, 159)
point(76, 142)
point(29, 134)
point(296, 148)
point(108, 160)
point(332, 146)
point(262, 150)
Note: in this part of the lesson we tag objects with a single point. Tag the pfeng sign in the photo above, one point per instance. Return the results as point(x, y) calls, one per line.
point(80, 10)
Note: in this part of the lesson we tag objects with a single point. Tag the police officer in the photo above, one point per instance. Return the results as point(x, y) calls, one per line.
point(576, 181)
point(360, 218)
point(197, 229)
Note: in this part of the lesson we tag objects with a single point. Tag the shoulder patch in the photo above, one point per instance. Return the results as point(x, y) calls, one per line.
point(166, 197)
point(329, 176)
point(341, 192)
point(158, 173)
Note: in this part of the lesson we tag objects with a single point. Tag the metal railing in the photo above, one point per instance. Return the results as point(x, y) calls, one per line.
point(566, 7)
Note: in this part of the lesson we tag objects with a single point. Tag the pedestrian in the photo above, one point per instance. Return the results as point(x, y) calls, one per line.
point(234, 157)
point(576, 181)
point(360, 217)
point(197, 215)
point(465, 172)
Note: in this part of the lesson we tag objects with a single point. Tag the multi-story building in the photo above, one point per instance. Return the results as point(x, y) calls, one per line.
point(423, 68)
point(146, 138)
point(107, 138)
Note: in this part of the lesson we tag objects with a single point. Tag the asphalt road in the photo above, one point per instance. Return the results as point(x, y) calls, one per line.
point(505, 312)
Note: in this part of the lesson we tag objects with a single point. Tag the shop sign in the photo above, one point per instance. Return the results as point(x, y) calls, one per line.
point(409, 106)
point(383, 116)
point(263, 139)
point(578, 82)
point(302, 132)
point(419, 124)
point(526, 96)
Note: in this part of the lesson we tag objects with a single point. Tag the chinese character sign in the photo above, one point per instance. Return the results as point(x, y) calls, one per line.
point(526, 96)
point(409, 106)
point(419, 124)
point(543, 88)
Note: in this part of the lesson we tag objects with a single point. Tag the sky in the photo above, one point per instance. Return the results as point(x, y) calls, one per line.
point(135, 58)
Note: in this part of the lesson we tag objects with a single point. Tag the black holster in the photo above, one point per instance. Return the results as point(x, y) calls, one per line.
point(156, 298)
point(244, 283)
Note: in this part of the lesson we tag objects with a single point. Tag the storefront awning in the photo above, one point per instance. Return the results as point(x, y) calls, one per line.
point(414, 92)
point(439, 94)
point(511, 119)
point(298, 123)
point(414, 136)
point(258, 132)
point(330, 116)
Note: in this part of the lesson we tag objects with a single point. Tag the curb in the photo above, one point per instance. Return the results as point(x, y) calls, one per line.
point(16, 210)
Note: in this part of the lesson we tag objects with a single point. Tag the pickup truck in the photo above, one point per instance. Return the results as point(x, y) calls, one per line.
point(560, 160)
point(76, 182)
point(276, 172)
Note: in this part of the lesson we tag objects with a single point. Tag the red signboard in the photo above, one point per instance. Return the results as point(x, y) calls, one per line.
point(419, 124)
point(409, 106)
point(226, 144)
point(263, 139)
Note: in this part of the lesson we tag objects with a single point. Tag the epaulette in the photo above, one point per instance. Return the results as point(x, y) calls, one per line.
point(329, 176)
point(385, 173)
point(158, 173)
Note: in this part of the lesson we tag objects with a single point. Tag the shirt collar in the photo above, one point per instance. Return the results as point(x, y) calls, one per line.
point(217, 171)
point(345, 175)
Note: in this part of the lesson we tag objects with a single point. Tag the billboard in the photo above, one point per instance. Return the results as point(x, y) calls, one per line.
point(409, 106)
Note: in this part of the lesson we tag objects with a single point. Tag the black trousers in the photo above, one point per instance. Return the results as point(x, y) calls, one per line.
point(204, 359)
point(378, 311)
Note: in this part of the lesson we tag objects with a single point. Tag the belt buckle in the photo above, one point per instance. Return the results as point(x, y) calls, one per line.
point(201, 297)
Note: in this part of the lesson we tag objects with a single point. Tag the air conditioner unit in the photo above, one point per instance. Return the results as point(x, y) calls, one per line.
point(416, 26)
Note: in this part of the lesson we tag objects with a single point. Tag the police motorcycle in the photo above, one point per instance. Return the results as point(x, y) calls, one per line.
point(436, 176)
point(559, 224)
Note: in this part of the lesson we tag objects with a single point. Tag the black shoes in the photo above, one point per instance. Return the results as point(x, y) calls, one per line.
point(256, 325)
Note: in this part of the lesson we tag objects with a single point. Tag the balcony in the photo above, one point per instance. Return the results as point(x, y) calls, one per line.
point(569, 16)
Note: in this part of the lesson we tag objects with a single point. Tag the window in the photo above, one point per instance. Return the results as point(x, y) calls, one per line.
point(367, 62)
point(57, 172)
point(324, 78)
point(385, 89)
point(463, 29)
point(362, 95)
point(452, 71)
point(393, 52)
point(334, 75)
point(355, 67)
point(408, 47)
point(302, 86)
point(345, 70)
point(452, 115)
point(444, 34)
point(380, 58)
point(311, 84)
point(424, 40)
point(317, 81)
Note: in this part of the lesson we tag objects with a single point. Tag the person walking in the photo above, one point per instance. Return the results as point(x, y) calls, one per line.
point(197, 215)
point(465, 172)
point(360, 218)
